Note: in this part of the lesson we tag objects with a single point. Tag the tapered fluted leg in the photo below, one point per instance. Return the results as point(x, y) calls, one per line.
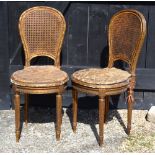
point(101, 119)
point(130, 101)
point(17, 115)
point(26, 109)
point(106, 107)
point(58, 115)
point(75, 104)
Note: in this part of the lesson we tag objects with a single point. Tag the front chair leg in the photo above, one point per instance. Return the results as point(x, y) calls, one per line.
point(17, 115)
point(101, 119)
point(130, 101)
point(26, 108)
point(58, 115)
point(75, 104)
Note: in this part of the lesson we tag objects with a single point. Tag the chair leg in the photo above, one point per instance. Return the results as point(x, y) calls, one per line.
point(101, 119)
point(26, 109)
point(58, 115)
point(130, 101)
point(106, 107)
point(75, 104)
point(17, 115)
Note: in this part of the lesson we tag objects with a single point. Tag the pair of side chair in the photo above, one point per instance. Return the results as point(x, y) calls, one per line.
point(42, 32)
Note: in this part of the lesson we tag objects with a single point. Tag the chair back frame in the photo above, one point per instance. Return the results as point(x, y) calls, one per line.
point(132, 62)
point(51, 25)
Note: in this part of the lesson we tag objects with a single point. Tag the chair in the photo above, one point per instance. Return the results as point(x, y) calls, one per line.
point(42, 31)
point(126, 34)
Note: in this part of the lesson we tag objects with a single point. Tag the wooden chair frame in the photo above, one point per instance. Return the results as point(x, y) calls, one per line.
point(39, 90)
point(105, 93)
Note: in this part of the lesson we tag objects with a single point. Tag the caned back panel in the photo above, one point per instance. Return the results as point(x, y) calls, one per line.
point(127, 30)
point(42, 31)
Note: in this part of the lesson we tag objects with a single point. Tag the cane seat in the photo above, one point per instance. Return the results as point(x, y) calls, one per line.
point(101, 78)
point(43, 76)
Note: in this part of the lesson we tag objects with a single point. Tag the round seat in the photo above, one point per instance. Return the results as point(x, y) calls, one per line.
point(39, 76)
point(101, 78)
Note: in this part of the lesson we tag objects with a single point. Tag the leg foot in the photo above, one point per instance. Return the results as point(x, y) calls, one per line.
point(17, 136)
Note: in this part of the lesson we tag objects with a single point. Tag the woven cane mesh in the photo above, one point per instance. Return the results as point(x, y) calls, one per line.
point(42, 30)
point(125, 31)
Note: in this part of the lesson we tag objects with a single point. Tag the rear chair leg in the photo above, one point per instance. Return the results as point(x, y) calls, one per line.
point(75, 104)
point(26, 109)
point(130, 101)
